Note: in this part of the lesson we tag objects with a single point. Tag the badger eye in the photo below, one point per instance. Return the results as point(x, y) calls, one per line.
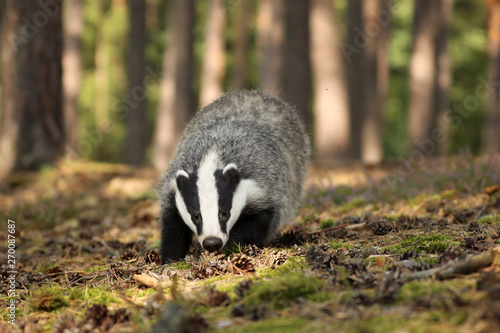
point(196, 216)
point(223, 213)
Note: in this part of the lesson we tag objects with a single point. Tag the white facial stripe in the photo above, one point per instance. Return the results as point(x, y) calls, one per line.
point(181, 206)
point(209, 199)
point(247, 191)
point(181, 173)
point(229, 167)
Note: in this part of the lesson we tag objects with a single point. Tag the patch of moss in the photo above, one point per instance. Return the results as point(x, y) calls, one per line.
point(48, 298)
point(281, 325)
point(94, 295)
point(281, 291)
point(336, 244)
point(326, 224)
point(181, 265)
point(429, 244)
point(291, 264)
point(489, 219)
point(153, 245)
point(95, 269)
point(354, 203)
point(414, 290)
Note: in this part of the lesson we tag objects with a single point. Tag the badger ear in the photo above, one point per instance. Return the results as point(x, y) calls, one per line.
point(181, 178)
point(231, 171)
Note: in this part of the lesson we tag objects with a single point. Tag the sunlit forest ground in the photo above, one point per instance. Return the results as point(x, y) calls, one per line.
point(401, 247)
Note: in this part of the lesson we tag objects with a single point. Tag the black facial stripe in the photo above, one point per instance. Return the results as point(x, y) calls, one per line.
point(189, 193)
point(225, 190)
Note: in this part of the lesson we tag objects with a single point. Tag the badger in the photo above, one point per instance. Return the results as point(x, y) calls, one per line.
point(236, 176)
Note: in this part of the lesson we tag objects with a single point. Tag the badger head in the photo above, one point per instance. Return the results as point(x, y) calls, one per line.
point(211, 199)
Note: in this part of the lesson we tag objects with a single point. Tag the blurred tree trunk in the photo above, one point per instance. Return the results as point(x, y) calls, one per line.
point(366, 54)
point(492, 122)
point(443, 64)
point(72, 72)
point(214, 62)
point(296, 73)
point(375, 49)
point(383, 68)
point(270, 39)
point(356, 72)
point(176, 102)
point(424, 76)
point(240, 45)
point(136, 119)
point(31, 125)
point(331, 109)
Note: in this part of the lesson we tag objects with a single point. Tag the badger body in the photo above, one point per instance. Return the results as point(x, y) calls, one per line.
point(237, 174)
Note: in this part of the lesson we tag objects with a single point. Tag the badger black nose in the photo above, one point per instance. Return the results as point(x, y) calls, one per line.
point(212, 244)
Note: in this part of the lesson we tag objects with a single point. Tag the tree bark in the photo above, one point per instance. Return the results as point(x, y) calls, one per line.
point(424, 74)
point(331, 109)
point(356, 69)
point(136, 119)
point(72, 72)
point(214, 62)
point(371, 135)
point(366, 54)
point(443, 64)
point(270, 35)
point(176, 102)
point(492, 120)
point(240, 45)
point(296, 73)
point(31, 128)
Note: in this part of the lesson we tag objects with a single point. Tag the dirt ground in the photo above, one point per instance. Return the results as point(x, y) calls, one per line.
point(397, 248)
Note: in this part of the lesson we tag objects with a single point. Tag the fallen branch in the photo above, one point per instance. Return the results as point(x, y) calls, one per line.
point(146, 280)
point(451, 270)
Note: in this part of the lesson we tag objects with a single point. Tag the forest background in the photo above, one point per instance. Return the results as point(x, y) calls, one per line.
point(117, 80)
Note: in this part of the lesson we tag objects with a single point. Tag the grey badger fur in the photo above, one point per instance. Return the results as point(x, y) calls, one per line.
point(237, 174)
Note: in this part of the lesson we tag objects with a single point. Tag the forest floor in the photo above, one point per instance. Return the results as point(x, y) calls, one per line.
point(398, 248)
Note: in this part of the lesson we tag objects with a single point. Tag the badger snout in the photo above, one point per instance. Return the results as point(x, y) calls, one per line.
point(212, 244)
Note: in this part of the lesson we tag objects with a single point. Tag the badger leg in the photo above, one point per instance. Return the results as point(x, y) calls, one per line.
point(253, 228)
point(175, 236)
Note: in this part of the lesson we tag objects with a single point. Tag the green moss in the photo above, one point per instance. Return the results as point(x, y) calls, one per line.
point(489, 219)
point(354, 203)
point(48, 298)
point(291, 264)
point(94, 295)
point(95, 269)
point(414, 290)
point(429, 244)
point(279, 292)
point(326, 224)
point(336, 244)
point(281, 325)
point(181, 265)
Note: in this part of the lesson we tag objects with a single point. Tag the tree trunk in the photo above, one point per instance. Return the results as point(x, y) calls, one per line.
point(331, 109)
point(296, 73)
point(371, 135)
point(443, 64)
point(423, 75)
point(72, 72)
point(356, 71)
point(270, 35)
point(136, 119)
point(212, 75)
point(240, 45)
point(32, 130)
point(176, 102)
point(492, 122)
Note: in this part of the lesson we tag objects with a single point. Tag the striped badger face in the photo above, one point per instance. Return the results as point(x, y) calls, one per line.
point(211, 199)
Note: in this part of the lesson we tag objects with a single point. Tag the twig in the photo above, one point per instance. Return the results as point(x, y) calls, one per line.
point(467, 266)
